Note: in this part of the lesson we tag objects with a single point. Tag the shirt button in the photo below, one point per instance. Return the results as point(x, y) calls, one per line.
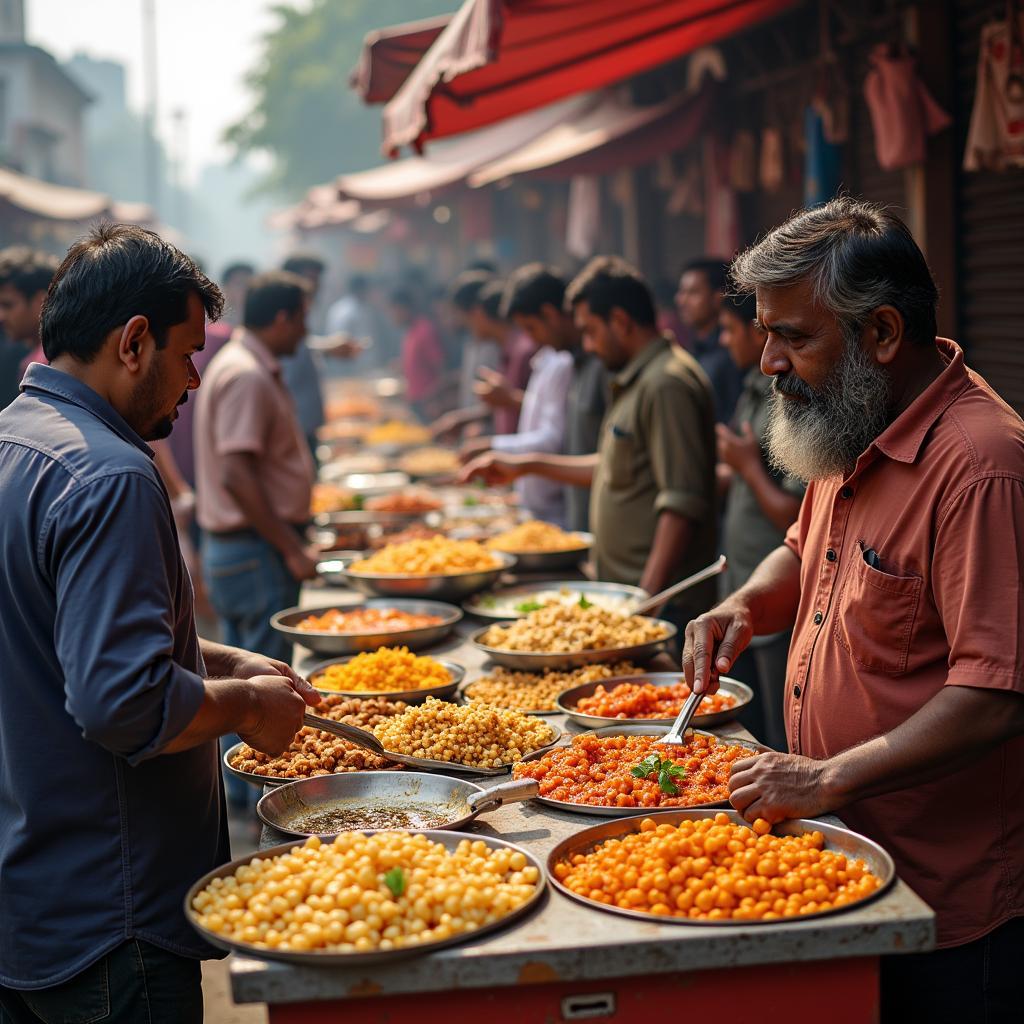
point(817, 618)
point(846, 492)
point(830, 555)
point(796, 690)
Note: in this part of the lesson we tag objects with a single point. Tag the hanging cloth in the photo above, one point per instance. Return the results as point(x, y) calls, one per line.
point(583, 218)
point(903, 112)
point(821, 160)
point(721, 211)
point(995, 138)
point(743, 161)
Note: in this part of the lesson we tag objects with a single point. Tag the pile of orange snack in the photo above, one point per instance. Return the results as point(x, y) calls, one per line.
point(644, 700)
point(366, 620)
point(597, 771)
point(714, 870)
point(412, 502)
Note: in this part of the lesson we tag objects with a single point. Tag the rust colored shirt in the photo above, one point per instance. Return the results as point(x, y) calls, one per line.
point(939, 498)
point(243, 405)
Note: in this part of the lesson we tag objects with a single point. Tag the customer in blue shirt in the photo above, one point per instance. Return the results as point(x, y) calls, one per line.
point(111, 801)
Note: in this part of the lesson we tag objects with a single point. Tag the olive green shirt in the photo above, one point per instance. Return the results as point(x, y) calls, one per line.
point(749, 534)
point(656, 453)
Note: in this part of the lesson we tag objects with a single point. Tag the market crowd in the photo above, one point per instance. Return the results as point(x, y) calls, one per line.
point(792, 408)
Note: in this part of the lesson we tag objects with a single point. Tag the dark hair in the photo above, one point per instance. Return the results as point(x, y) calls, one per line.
point(304, 263)
point(486, 265)
point(743, 305)
point(530, 288)
point(358, 284)
point(609, 282)
point(116, 272)
point(271, 293)
point(26, 270)
point(239, 267)
point(715, 271)
point(403, 298)
point(464, 291)
point(858, 256)
point(490, 298)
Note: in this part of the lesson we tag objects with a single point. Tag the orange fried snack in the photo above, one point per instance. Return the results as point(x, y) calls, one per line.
point(366, 620)
point(644, 700)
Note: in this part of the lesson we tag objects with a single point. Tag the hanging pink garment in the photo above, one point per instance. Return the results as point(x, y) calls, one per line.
point(721, 211)
point(903, 112)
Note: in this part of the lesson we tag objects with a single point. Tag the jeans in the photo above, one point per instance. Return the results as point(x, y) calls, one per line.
point(137, 983)
point(980, 981)
point(248, 582)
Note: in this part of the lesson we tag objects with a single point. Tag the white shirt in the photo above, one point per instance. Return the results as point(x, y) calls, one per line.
point(357, 320)
point(542, 429)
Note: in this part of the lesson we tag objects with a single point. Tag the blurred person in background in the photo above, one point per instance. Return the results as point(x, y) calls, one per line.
point(652, 504)
point(535, 302)
point(25, 275)
point(702, 287)
point(254, 472)
point(234, 283)
point(669, 322)
point(422, 357)
point(354, 319)
point(762, 501)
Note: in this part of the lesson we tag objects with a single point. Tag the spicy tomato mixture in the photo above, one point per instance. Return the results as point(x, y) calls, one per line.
point(644, 700)
point(366, 620)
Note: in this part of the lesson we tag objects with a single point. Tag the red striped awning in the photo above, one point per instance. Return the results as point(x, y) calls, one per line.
point(390, 54)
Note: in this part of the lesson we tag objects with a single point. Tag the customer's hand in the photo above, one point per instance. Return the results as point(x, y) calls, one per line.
point(276, 714)
point(473, 449)
point(494, 469)
point(301, 563)
point(445, 425)
point(740, 452)
point(493, 389)
point(713, 642)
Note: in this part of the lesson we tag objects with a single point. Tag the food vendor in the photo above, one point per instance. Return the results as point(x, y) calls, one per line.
point(111, 802)
point(902, 582)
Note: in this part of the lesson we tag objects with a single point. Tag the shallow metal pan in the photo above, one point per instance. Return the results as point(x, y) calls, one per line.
point(531, 661)
point(568, 700)
point(553, 561)
point(478, 606)
point(268, 780)
point(450, 840)
point(836, 838)
point(447, 587)
point(456, 673)
point(407, 800)
point(286, 622)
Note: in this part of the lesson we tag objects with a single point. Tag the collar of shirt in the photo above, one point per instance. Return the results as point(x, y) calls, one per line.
point(48, 379)
point(902, 439)
point(266, 358)
point(639, 362)
point(541, 356)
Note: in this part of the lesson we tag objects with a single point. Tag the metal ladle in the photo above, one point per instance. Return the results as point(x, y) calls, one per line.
point(657, 600)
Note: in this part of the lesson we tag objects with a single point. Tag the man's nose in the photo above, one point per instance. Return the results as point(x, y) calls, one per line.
point(774, 359)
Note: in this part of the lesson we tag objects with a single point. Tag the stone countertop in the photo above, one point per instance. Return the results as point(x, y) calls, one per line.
point(563, 940)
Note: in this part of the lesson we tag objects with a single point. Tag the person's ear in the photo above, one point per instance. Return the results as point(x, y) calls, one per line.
point(885, 334)
point(620, 321)
point(131, 342)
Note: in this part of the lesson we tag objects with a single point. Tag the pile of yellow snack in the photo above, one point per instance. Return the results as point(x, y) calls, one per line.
point(397, 432)
point(388, 669)
point(429, 462)
point(712, 869)
point(365, 893)
point(535, 536)
point(537, 691)
point(331, 498)
point(559, 628)
point(476, 735)
point(429, 557)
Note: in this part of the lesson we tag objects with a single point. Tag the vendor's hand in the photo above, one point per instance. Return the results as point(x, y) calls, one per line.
point(341, 346)
point(275, 716)
point(713, 642)
point(474, 449)
point(301, 563)
point(492, 468)
point(777, 786)
point(493, 389)
point(738, 451)
point(249, 665)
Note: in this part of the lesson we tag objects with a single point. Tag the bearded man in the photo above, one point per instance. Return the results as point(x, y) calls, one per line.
point(901, 580)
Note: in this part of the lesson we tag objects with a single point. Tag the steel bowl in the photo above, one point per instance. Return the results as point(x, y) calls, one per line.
point(259, 781)
point(535, 661)
point(286, 623)
point(836, 838)
point(568, 700)
point(440, 587)
point(554, 561)
point(450, 840)
point(608, 811)
point(482, 606)
point(442, 692)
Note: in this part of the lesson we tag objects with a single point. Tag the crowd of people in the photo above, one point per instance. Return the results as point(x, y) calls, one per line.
point(795, 411)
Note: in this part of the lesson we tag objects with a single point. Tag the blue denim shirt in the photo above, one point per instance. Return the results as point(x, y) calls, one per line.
point(100, 667)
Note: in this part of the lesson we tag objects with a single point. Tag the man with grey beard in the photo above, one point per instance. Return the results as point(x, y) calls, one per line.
point(901, 580)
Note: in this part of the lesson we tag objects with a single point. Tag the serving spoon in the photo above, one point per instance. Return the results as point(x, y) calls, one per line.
point(649, 604)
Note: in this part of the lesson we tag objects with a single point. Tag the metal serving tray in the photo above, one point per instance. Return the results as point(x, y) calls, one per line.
point(478, 606)
point(286, 622)
point(450, 840)
point(836, 838)
point(568, 700)
point(554, 561)
point(449, 587)
point(456, 672)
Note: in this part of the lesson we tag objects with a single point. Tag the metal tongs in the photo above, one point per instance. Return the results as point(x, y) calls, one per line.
point(675, 735)
point(655, 601)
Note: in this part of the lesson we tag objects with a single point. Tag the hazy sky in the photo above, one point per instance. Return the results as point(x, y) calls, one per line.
point(205, 48)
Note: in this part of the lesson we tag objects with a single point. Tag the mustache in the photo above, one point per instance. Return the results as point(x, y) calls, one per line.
point(793, 386)
point(183, 399)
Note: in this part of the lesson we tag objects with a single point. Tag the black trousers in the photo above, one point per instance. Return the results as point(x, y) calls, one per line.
point(137, 983)
point(981, 982)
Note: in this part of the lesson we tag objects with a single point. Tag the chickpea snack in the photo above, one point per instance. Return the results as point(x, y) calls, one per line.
point(693, 868)
point(364, 896)
point(536, 692)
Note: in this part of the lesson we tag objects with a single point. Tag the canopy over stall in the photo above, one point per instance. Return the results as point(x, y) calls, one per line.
point(390, 54)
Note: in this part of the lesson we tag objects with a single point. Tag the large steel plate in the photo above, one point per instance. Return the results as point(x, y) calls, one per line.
point(554, 561)
point(440, 587)
point(498, 605)
point(443, 692)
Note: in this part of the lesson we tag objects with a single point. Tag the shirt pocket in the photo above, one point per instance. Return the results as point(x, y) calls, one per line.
point(875, 616)
point(620, 458)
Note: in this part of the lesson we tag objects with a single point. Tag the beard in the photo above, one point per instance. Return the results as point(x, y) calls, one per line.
point(824, 434)
point(147, 402)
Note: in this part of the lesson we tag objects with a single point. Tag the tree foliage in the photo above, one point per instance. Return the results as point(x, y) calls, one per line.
point(304, 115)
